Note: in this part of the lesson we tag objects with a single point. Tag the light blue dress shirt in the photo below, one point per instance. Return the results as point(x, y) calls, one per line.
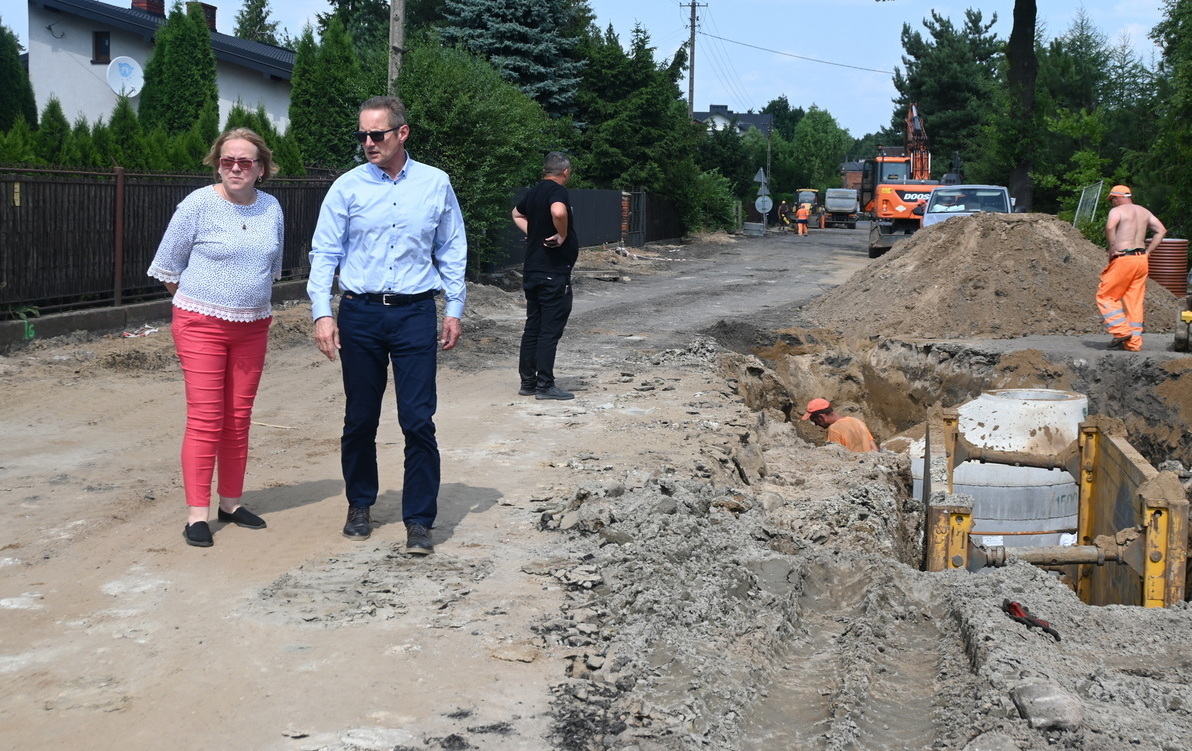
point(404, 235)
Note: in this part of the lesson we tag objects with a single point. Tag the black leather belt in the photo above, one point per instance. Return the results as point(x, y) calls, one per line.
point(1139, 252)
point(392, 299)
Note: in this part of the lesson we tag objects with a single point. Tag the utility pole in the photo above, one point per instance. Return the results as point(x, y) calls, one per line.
point(397, 41)
point(691, 62)
point(769, 140)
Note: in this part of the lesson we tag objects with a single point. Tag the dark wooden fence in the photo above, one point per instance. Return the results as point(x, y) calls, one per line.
point(71, 239)
point(597, 221)
point(74, 239)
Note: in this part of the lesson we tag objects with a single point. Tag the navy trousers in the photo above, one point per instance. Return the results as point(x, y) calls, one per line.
point(548, 306)
point(372, 337)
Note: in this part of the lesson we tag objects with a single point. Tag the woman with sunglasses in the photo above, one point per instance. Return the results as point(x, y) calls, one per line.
point(219, 258)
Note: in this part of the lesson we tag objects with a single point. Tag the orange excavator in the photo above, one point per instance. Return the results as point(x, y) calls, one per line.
point(894, 182)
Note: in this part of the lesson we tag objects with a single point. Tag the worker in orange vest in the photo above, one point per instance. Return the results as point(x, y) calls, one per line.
point(847, 431)
point(1122, 289)
point(801, 216)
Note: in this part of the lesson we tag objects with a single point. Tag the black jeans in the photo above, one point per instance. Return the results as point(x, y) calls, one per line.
point(548, 306)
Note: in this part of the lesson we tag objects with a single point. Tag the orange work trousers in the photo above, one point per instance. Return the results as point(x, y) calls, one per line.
point(1120, 298)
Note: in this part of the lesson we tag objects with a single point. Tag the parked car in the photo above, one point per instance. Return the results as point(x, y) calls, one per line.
point(949, 201)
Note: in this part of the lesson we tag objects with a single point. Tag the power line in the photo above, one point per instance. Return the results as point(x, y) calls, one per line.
point(800, 57)
point(730, 78)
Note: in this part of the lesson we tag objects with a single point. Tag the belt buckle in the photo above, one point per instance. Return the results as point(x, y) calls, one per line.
point(390, 298)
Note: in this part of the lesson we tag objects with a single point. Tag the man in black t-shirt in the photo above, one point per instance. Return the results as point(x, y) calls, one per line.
point(552, 248)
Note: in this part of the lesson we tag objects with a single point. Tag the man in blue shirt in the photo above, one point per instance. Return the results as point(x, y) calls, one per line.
point(394, 230)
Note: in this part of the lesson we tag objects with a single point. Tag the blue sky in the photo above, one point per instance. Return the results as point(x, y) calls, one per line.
point(793, 35)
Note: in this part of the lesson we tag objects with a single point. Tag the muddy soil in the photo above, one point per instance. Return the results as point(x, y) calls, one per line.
point(668, 562)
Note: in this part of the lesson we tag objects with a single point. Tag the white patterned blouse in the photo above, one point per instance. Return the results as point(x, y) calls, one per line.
point(224, 257)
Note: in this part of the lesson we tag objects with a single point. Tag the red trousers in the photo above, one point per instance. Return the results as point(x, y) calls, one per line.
point(221, 364)
point(1120, 297)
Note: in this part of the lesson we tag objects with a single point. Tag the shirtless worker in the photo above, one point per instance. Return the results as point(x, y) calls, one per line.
point(1123, 281)
point(847, 431)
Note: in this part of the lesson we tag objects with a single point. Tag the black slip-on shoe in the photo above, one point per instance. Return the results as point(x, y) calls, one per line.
point(554, 392)
point(198, 534)
point(242, 517)
point(418, 540)
point(526, 390)
point(359, 525)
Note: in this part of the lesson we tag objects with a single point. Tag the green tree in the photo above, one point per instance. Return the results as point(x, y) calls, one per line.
point(1073, 67)
point(304, 97)
point(127, 148)
point(820, 145)
point(950, 77)
point(253, 23)
point(1172, 151)
point(721, 151)
point(52, 140)
point(866, 146)
point(325, 98)
point(366, 21)
point(101, 145)
point(453, 100)
point(523, 39)
point(17, 146)
point(16, 92)
point(785, 118)
point(180, 75)
point(636, 132)
point(714, 201)
point(1085, 164)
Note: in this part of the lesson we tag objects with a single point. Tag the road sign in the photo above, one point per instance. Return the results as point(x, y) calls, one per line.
point(760, 177)
point(763, 204)
point(762, 190)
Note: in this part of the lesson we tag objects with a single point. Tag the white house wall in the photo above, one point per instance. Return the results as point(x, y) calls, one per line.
point(60, 65)
point(252, 88)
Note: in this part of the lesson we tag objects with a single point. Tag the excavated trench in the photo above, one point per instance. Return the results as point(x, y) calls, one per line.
point(775, 597)
point(792, 611)
point(896, 385)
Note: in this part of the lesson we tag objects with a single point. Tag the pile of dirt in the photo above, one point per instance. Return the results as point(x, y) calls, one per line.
point(988, 275)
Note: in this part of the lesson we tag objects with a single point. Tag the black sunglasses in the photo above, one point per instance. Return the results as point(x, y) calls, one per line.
point(376, 135)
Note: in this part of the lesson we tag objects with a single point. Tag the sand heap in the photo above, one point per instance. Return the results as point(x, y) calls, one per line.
point(989, 275)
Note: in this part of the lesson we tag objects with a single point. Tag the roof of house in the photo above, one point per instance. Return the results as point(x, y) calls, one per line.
point(266, 58)
point(745, 120)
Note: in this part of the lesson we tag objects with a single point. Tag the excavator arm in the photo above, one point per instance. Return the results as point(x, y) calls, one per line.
point(916, 144)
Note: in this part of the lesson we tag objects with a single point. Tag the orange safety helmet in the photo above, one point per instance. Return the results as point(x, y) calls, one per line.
point(1122, 191)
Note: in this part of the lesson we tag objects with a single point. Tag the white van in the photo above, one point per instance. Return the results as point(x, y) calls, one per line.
point(948, 201)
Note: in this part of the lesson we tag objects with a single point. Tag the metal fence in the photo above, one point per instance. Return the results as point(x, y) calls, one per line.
point(1086, 210)
point(75, 239)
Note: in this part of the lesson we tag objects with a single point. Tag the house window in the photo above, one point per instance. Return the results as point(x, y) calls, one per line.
point(101, 47)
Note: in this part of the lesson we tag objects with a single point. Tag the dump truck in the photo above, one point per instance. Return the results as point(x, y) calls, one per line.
point(810, 198)
point(841, 208)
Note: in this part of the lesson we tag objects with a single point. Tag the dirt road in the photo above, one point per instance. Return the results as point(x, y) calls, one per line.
point(651, 566)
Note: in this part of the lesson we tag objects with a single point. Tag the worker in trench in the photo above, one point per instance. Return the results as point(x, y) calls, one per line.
point(847, 431)
point(1121, 292)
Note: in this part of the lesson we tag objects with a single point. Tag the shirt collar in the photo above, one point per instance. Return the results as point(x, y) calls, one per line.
point(381, 174)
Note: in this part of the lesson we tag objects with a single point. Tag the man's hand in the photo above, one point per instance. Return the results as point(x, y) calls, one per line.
point(451, 332)
point(327, 336)
point(553, 241)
